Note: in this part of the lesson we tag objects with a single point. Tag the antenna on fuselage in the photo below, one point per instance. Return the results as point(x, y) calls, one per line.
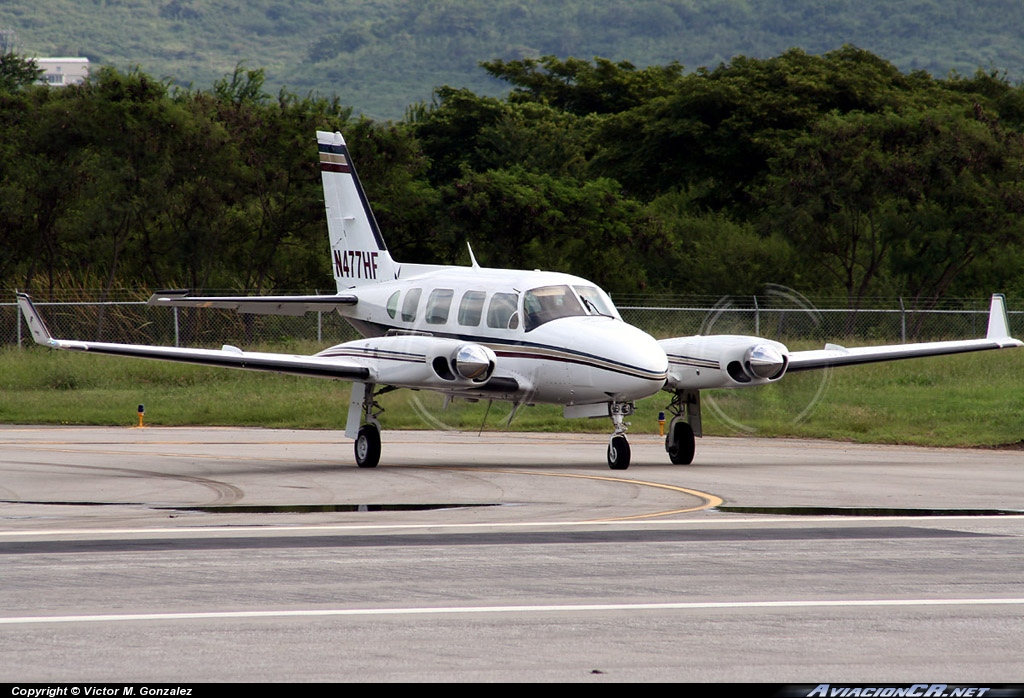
point(472, 258)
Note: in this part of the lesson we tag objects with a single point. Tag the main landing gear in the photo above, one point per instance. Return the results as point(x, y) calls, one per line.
point(679, 443)
point(363, 407)
point(368, 446)
point(685, 425)
point(618, 446)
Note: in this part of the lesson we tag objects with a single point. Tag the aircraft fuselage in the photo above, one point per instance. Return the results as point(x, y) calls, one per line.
point(558, 338)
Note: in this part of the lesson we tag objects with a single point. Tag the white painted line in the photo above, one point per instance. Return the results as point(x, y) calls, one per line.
point(558, 608)
point(327, 528)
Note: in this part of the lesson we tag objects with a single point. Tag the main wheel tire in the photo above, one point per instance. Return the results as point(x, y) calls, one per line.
point(618, 453)
point(368, 446)
point(682, 446)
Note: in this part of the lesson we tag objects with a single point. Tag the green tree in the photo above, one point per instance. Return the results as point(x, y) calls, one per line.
point(17, 72)
point(46, 172)
point(448, 130)
point(580, 87)
point(463, 131)
point(276, 212)
point(964, 199)
point(829, 198)
point(394, 171)
point(524, 220)
point(716, 132)
point(912, 199)
point(708, 253)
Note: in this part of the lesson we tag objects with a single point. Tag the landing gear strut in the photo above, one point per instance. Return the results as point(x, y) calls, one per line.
point(618, 446)
point(685, 425)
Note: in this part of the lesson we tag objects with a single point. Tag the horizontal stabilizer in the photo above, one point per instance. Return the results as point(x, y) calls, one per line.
point(257, 305)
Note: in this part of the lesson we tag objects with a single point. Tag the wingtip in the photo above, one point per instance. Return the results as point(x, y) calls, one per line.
point(167, 295)
point(998, 320)
point(36, 326)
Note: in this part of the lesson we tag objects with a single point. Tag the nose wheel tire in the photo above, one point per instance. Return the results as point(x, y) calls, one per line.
point(680, 444)
point(368, 446)
point(618, 453)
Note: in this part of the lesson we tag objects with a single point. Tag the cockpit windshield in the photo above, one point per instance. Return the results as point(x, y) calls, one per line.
point(596, 301)
point(549, 303)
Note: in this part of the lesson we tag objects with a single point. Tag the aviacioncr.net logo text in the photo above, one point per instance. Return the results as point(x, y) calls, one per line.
point(917, 690)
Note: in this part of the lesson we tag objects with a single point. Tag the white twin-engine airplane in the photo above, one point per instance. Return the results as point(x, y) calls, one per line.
point(525, 337)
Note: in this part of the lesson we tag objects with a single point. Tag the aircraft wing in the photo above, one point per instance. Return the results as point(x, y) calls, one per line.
point(997, 337)
point(730, 361)
point(229, 357)
point(258, 305)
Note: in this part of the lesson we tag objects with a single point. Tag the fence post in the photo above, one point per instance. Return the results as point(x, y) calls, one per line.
point(757, 318)
point(903, 322)
point(319, 327)
point(176, 327)
point(18, 320)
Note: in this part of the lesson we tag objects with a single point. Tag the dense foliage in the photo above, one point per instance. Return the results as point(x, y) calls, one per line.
point(382, 55)
point(833, 174)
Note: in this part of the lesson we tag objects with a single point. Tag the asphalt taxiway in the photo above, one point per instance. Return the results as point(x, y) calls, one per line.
point(164, 554)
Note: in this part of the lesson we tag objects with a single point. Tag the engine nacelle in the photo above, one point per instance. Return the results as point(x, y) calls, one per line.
point(420, 361)
point(761, 361)
point(472, 362)
point(723, 361)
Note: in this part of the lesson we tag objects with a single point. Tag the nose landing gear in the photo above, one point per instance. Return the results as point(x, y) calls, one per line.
point(618, 446)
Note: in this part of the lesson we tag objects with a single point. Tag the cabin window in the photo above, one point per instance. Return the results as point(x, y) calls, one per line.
point(471, 308)
point(438, 304)
point(412, 299)
point(549, 303)
point(393, 305)
point(501, 313)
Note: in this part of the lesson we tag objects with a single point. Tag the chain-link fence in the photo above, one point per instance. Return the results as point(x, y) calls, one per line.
point(787, 317)
point(136, 322)
point(797, 319)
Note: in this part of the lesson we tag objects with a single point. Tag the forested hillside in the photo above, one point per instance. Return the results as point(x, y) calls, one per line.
point(835, 174)
point(380, 56)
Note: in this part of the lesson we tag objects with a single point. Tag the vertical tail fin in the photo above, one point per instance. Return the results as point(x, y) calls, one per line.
point(358, 253)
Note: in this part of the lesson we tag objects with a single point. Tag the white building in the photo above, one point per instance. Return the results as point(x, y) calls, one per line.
point(58, 72)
